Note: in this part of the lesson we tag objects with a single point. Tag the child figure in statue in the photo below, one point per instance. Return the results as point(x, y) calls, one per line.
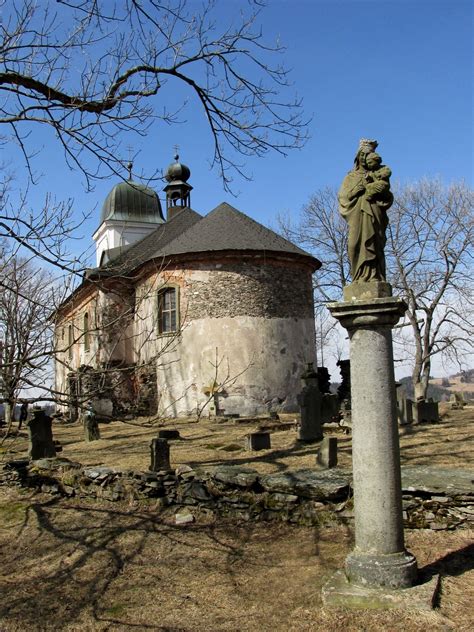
point(378, 173)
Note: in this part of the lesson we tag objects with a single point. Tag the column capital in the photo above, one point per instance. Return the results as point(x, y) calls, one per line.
point(374, 312)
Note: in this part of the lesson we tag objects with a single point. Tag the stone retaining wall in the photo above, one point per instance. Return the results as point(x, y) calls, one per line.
point(431, 498)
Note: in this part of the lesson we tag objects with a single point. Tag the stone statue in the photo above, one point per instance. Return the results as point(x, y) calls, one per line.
point(364, 199)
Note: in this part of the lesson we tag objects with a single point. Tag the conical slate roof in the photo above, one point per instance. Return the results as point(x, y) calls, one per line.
point(226, 228)
point(223, 229)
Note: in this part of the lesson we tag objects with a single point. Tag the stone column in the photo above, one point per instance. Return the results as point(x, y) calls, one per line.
point(379, 557)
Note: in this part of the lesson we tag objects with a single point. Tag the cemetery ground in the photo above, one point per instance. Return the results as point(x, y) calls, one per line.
point(82, 564)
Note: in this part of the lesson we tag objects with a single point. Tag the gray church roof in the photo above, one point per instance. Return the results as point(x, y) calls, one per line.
point(223, 229)
point(226, 228)
point(151, 246)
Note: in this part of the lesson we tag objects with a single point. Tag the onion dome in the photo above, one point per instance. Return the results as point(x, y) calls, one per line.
point(177, 172)
point(134, 202)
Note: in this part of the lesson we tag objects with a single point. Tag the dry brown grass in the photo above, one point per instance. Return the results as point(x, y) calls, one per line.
point(124, 446)
point(77, 565)
point(95, 566)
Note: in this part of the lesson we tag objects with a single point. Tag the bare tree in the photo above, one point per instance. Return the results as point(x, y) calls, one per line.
point(431, 239)
point(429, 256)
point(322, 231)
point(25, 332)
point(93, 70)
point(46, 232)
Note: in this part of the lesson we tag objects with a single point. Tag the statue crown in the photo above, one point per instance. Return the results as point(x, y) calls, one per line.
point(367, 145)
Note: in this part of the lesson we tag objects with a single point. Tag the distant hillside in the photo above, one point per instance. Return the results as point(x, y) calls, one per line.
point(440, 388)
point(435, 392)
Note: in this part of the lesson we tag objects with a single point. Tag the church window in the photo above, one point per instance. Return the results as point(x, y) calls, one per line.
point(167, 310)
point(87, 341)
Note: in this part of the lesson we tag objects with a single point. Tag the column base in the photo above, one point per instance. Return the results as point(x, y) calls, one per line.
point(338, 592)
point(396, 570)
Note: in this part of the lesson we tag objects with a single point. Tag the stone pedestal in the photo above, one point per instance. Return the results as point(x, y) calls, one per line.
point(379, 558)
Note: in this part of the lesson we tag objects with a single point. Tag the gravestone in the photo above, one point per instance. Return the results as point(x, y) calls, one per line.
point(456, 401)
point(344, 390)
point(160, 455)
point(40, 436)
point(329, 407)
point(404, 407)
point(258, 441)
point(324, 380)
point(309, 401)
point(91, 426)
point(425, 411)
point(327, 455)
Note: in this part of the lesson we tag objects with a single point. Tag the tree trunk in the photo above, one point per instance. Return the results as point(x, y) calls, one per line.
point(9, 408)
point(421, 382)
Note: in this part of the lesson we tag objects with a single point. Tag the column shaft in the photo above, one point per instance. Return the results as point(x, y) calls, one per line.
point(375, 447)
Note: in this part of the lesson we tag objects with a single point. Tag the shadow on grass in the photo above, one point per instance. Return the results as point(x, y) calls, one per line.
point(84, 554)
point(276, 457)
point(451, 565)
point(71, 559)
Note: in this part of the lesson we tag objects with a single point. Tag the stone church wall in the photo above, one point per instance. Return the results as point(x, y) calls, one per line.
point(247, 331)
point(248, 289)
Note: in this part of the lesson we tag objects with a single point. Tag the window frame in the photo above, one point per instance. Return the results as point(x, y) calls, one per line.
point(160, 311)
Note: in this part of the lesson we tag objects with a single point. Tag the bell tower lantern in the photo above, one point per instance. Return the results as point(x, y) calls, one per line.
point(178, 191)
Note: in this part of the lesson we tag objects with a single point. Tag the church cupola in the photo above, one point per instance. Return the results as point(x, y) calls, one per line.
point(130, 212)
point(178, 191)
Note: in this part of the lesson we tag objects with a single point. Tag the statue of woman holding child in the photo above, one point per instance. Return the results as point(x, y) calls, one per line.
point(364, 199)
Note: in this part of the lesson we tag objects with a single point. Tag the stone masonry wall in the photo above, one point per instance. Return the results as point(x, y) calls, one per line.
point(306, 497)
point(267, 290)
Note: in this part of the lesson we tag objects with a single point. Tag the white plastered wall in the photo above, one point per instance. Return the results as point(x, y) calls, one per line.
point(260, 361)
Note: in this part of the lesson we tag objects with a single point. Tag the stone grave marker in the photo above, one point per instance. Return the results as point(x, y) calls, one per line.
point(91, 426)
point(40, 436)
point(425, 411)
point(404, 407)
point(327, 455)
point(168, 434)
point(456, 401)
point(160, 455)
point(258, 441)
point(309, 401)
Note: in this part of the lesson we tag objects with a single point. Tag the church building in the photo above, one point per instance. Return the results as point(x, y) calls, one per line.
point(185, 314)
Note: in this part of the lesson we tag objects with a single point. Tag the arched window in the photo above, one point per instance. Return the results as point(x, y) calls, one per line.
point(87, 341)
point(168, 317)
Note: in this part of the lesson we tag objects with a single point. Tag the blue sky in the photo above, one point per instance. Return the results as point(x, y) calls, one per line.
point(399, 71)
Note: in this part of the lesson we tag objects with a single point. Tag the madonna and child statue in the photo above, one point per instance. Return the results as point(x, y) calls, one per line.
point(364, 199)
